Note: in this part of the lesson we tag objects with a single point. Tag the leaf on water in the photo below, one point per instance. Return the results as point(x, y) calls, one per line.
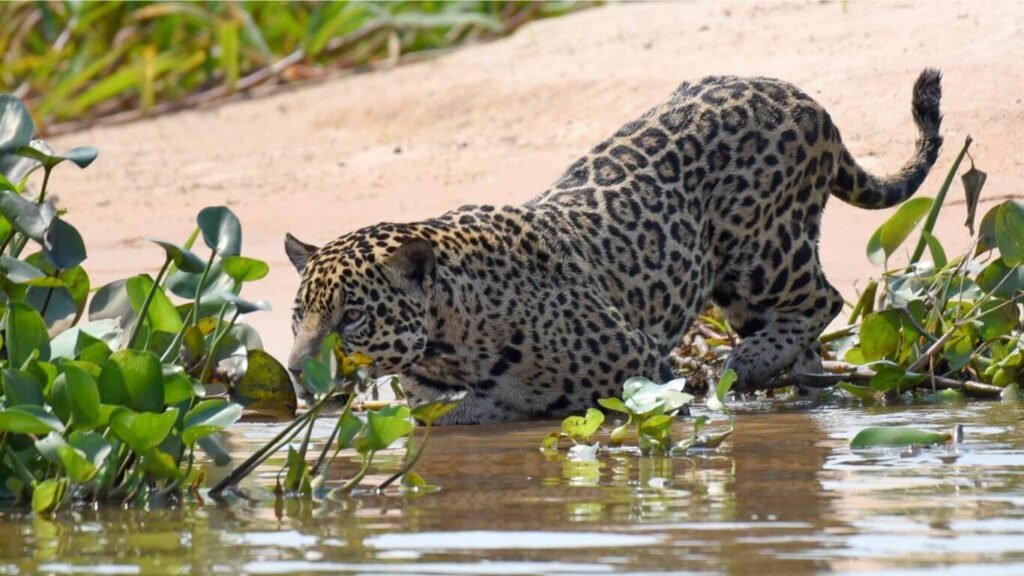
point(413, 481)
point(890, 235)
point(864, 394)
point(581, 428)
point(48, 495)
point(725, 384)
point(266, 386)
point(550, 442)
point(973, 181)
point(431, 412)
point(894, 436)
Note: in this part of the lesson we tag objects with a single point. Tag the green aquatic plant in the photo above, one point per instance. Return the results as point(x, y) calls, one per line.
point(113, 407)
point(650, 410)
point(895, 436)
point(330, 375)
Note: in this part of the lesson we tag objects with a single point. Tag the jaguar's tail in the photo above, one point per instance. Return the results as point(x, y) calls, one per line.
point(856, 186)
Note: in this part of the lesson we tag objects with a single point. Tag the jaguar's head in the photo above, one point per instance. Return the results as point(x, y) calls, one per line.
point(373, 287)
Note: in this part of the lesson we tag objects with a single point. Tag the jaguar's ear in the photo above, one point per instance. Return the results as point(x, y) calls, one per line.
point(298, 251)
point(414, 261)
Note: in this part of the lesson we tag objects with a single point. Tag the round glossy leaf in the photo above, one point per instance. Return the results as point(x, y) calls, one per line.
point(140, 374)
point(161, 316)
point(184, 259)
point(78, 468)
point(95, 447)
point(16, 167)
point(26, 333)
point(21, 388)
point(266, 386)
point(431, 412)
point(24, 273)
point(386, 425)
point(892, 436)
point(159, 464)
point(316, 376)
point(1010, 231)
point(207, 417)
point(83, 394)
point(25, 216)
point(71, 343)
point(221, 230)
point(76, 281)
point(184, 284)
point(111, 302)
point(48, 495)
point(142, 431)
point(178, 387)
point(81, 156)
point(889, 236)
point(16, 126)
point(246, 306)
point(583, 427)
point(63, 245)
point(243, 269)
point(29, 420)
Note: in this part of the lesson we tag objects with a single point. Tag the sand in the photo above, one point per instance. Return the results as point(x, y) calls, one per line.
point(498, 122)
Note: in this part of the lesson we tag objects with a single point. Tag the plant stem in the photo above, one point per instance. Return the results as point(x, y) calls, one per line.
point(175, 345)
point(199, 288)
point(355, 480)
point(145, 303)
point(334, 434)
point(410, 462)
point(208, 365)
point(263, 453)
point(933, 214)
point(46, 181)
point(844, 372)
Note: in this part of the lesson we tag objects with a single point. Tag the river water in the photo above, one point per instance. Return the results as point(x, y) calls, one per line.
point(784, 495)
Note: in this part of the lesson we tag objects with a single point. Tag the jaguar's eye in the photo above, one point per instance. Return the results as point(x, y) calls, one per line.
point(352, 316)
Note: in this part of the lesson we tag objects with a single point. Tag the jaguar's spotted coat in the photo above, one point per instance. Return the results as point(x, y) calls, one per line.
point(539, 310)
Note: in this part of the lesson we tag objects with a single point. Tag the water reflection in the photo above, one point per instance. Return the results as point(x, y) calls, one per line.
point(784, 495)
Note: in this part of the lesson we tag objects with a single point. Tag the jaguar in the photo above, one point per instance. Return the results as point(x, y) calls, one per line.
point(537, 310)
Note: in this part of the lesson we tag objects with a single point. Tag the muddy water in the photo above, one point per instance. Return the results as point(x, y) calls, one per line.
point(785, 495)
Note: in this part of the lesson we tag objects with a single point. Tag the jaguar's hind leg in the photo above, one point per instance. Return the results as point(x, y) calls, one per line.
point(781, 337)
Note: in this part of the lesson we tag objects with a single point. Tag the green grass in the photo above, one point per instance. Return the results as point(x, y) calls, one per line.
point(75, 60)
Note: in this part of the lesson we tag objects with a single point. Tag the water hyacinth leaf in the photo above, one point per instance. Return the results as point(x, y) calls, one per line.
point(184, 284)
point(21, 272)
point(141, 375)
point(77, 283)
point(550, 442)
point(111, 301)
point(893, 436)
point(614, 404)
point(890, 235)
point(63, 245)
point(71, 343)
point(16, 126)
point(183, 258)
point(936, 250)
point(880, 335)
point(161, 316)
point(266, 386)
point(998, 318)
point(159, 464)
point(20, 388)
point(243, 269)
point(48, 494)
point(78, 468)
point(893, 378)
point(1010, 231)
point(945, 397)
point(581, 428)
point(351, 427)
point(994, 277)
point(725, 384)
point(959, 349)
point(643, 396)
point(987, 231)
point(93, 445)
point(973, 181)
point(860, 392)
point(222, 232)
point(385, 426)
point(413, 481)
point(213, 446)
point(178, 387)
point(25, 216)
point(29, 420)
point(81, 156)
point(207, 417)
point(316, 377)
point(430, 412)
point(83, 395)
point(618, 435)
point(297, 479)
point(142, 431)
point(26, 333)
point(244, 306)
